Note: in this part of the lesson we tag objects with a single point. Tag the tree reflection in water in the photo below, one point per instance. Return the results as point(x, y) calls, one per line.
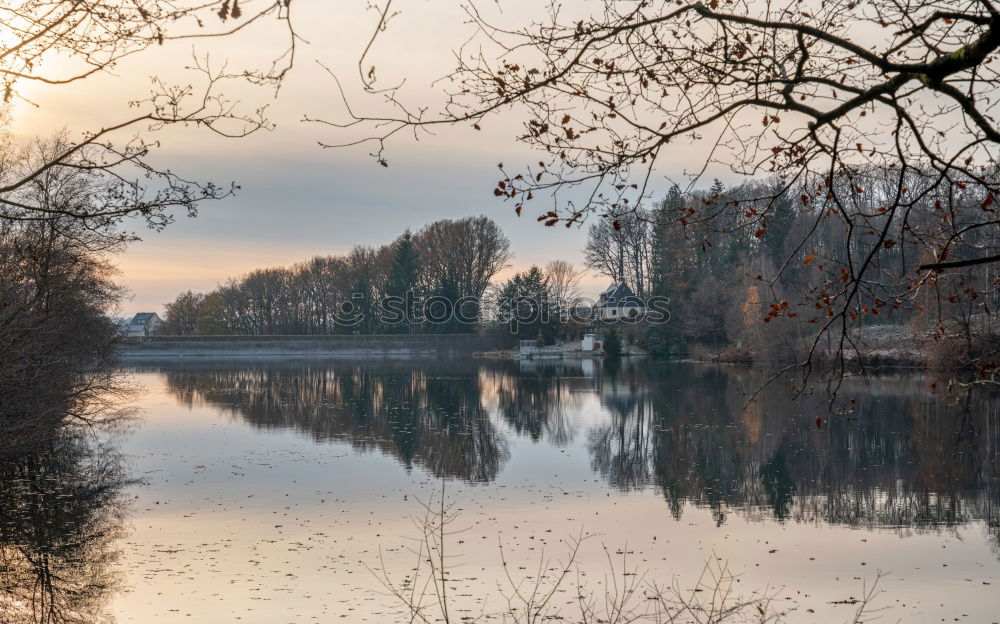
point(61, 519)
point(426, 416)
point(536, 400)
point(901, 460)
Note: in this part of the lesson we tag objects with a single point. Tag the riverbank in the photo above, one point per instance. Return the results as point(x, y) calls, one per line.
point(345, 346)
point(948, 347)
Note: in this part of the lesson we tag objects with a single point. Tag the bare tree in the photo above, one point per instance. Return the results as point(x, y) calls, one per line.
point(427, 592)
point(563, 282)
point(822, 96)
point(56, 340)
point(181, 317)
point(618, 247)
point(346, 293)
point(605, 250)
point(91, 38)
point(468, 252)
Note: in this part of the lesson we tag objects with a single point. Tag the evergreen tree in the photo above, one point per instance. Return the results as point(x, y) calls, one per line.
point(612, 344)
point(779, 223)
point(726, 249)
point(441, 309)
point(403, 282)
point(659, 282)
point(361, 306)
point(676, 266)
point(526, 304)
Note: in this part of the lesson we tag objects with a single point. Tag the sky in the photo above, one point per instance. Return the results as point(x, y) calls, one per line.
point(298, 200)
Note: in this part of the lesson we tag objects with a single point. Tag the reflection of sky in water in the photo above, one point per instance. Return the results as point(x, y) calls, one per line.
point(264, 524)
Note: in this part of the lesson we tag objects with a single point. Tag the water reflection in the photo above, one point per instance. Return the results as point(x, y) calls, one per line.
point(902, 460)
point(537, 400)
point(61, 519)
point(430, 417)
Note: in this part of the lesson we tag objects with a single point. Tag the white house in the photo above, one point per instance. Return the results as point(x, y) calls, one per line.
point(618, 301)
point(143, 325)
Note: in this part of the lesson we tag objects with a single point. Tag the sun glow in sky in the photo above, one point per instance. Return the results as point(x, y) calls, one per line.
point(298, 200)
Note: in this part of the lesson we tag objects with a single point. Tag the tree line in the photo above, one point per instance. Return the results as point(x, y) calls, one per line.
point(424, 282)
point(752, 272)
point(442, 279)
point(763, 270)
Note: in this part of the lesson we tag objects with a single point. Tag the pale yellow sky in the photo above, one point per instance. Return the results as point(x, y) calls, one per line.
point(298, 200)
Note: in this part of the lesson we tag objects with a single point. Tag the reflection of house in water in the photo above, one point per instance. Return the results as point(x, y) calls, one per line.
point(900, 462)
point(620, 389)
point(619, 448)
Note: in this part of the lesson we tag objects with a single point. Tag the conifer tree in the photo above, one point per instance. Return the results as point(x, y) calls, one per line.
point(404, 275)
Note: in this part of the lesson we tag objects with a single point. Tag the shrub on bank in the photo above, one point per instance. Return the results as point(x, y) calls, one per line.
point(612, 344)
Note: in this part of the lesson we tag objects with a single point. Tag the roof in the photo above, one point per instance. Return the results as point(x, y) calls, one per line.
point(619, 295)
point(143, 317)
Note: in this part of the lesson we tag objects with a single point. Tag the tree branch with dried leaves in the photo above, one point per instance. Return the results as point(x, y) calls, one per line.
point(830, 102)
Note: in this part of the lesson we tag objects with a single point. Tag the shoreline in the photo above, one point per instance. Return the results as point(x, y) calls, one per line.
point(319, 346)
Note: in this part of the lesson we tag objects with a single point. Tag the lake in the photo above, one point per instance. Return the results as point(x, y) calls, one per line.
point(293, 491)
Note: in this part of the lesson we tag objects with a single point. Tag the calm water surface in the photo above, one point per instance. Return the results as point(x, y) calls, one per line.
point(264, 491)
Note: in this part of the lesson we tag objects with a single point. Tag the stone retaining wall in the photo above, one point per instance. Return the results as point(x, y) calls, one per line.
point(382, 345)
